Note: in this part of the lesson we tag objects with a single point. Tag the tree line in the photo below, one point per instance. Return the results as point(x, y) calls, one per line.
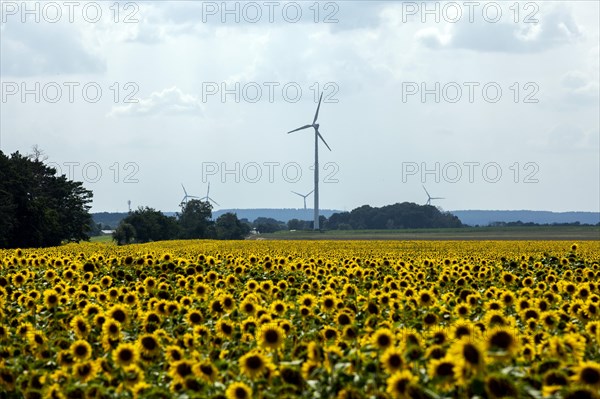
point(194, 222)
point(406, 215)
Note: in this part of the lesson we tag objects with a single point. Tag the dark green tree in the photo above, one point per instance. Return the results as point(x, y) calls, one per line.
point(124, 234)
point(150, 225)
point(194, 220)
point(268, 225)
point(229, 227)
point(37, 207)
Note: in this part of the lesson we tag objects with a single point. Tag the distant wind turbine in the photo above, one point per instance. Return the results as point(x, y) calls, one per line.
point(207, 198)
point(318, 136)
point(303, 196)
point(429, 197)
point(186, 196)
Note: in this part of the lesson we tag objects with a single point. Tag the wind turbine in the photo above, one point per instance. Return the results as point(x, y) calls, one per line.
point(186, 196)
point(318, 136)
point(303, 196)
point(429, 197)
point(207, 198)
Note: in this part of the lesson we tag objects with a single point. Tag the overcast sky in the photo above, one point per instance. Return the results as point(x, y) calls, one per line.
point(491, 106)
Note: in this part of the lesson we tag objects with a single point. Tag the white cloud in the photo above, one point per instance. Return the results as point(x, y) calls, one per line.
point(171, 101)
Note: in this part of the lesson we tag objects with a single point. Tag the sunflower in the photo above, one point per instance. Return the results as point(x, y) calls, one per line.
point(383, 338)
point(494, 318)
point(343, 318)
point(462, 310)
point(248, 305)
point(85, 371)
point(132, 375)
point(125, 354)
point(426, 298)
point(587, 373)
point(392, 360)
point(111, 329)
point(216, 307)
point(225, 328)
point(51, 298)
point(148, 345)
point(4, 332)
point(80, 350)
point(307, 300)
point(399, 383)
point(469, 357)
point(328, 303)
point(174, 353)
point(502, 341)
point(253, 364)
point(443, 372)
point(238, 390)
point(308, 368)
point(500, 386)
point(181, 369)
point(36, 338)
point(553, 381)
point(270, 336)
point(349, 333)
point(278, 307)
point(118, 313)
point(7, 379)
point(228, 302)
point(329, 333)
point(206, 370)
point(80, 326)
point(581, 393)
point(430, 319)
point(549, 319)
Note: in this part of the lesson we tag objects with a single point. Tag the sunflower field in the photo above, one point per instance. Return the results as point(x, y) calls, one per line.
point(301, 319)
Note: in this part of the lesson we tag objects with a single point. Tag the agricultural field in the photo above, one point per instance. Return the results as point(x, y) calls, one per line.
point(309, 319)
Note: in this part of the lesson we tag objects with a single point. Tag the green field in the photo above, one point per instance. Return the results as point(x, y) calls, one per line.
point(579, 233)
point(105, 239)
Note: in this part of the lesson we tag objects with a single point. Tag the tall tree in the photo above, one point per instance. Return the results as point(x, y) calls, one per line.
point(194, 219)
point(147, 225)
point(229, 227)
point(39, 208)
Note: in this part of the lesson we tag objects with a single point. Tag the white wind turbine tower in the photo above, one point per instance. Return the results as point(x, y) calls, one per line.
point(207, 198)
point(318, 136)
point(303, 196)
point(429, 197)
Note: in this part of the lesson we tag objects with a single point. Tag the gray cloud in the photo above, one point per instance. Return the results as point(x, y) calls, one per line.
point(556, 27)
point(33, 49)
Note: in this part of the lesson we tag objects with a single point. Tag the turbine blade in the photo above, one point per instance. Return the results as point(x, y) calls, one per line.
point(322, 139)
point(318, 106)
point(427, 192)
point(310, 193)
point(185, 192)
point(297, 193)
point(215, 202)
point(300, 128)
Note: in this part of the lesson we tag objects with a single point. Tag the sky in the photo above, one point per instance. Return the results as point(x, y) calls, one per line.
point(490, 105)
